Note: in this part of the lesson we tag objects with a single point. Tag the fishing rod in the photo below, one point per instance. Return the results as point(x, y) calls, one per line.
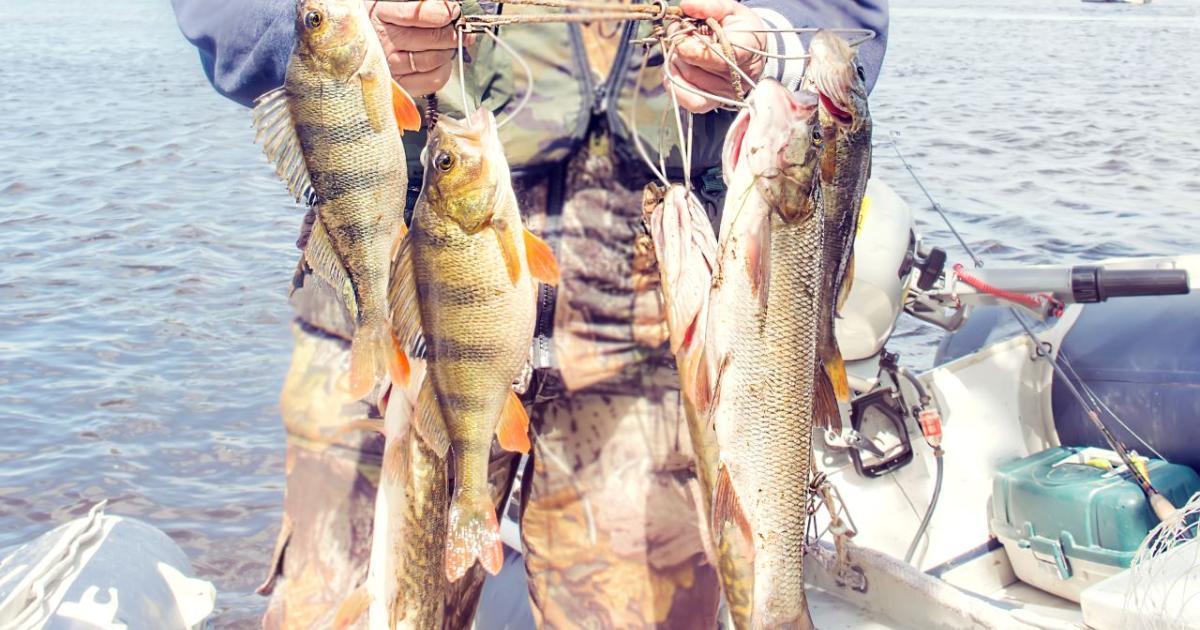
point(1161, 506)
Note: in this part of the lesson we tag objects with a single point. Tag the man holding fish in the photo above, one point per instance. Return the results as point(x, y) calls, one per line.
point(612, 523)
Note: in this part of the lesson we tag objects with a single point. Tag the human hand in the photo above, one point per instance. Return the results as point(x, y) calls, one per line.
point(696, 65)
point(418, 40)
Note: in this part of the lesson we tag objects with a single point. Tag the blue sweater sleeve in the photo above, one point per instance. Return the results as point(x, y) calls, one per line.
point(870, 14)
point(244, 44)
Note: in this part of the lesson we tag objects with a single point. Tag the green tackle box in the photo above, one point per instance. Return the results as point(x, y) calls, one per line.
point(1069, 517)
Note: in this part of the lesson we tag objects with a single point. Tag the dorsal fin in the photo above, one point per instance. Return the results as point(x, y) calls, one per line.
point(429, 421)
point(322, 257)
point(277, 135)
point(402, 298)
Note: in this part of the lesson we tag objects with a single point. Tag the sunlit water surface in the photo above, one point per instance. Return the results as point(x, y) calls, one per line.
point(145, 245)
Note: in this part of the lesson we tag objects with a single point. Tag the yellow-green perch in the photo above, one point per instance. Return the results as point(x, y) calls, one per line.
point(333, 131)
point(464, 278)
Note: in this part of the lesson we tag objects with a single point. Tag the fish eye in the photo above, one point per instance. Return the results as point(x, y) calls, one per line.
point(816, 137)
point(444, 161)
point(313, 19)
point(862, 76)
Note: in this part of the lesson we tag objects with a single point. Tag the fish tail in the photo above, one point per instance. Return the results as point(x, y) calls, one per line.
point(473, 532)
point(826, 412)
point(374, 352)
point(835, 367)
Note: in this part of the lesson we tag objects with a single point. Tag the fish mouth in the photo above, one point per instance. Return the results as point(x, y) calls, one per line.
point(831, 107)
point(733, 143)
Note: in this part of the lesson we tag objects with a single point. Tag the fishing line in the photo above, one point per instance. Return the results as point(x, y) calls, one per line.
point(1158, 503)
point(524, 68)
point(637, 137)
point(1098, 402)
point(462, 72)
point(937, 207)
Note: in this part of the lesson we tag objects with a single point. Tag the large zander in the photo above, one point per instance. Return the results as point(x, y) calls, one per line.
point(760, 355)
point(835, 75)
point(333, 131)
point(464, 277)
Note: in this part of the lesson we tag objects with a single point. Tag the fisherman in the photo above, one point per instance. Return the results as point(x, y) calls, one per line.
point(610, 522)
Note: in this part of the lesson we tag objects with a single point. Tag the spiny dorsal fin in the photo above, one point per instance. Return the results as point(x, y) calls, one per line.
point(324, 260)
point(277, 134)
point(430, 424)
point(402, 297)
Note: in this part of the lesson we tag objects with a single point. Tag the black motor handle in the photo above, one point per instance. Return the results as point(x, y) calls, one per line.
point(1095, 284)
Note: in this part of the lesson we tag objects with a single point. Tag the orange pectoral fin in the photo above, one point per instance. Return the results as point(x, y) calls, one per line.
point(508, 247)
point(542, 264)
point(513, 430)
point(408, 117)
point(727, 507)
point(398, 365)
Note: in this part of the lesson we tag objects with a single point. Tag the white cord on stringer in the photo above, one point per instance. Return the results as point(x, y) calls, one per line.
point(524, 68)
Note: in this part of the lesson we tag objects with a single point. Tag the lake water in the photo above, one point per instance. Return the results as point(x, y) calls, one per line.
point(146, 246)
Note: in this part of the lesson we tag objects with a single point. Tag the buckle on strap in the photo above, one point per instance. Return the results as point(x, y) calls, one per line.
point(542, 352)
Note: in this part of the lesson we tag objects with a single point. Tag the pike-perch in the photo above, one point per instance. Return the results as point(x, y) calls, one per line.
point(758, 378)
point(836, 77)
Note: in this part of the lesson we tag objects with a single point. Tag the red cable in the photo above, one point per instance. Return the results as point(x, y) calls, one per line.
point(1019, 298)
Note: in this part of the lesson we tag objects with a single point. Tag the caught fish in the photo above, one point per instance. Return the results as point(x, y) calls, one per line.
point(333, 131)
point(407, 579)
point(464, 278)
point(686, 249)
point(758, 374)
point(837, 78)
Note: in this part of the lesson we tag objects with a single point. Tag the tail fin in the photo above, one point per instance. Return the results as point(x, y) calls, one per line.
point(371, 353)
point(473, 533)
point(826, 413)
point(835, 367)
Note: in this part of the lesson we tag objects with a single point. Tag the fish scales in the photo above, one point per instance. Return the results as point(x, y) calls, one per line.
point(760, 353)
point(359, 176)
point(475, 346)
point(419, 578)
point(767, 425)
point(464, 279)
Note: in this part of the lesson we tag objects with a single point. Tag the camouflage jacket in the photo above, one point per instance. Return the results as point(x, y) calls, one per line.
point(244, 47)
